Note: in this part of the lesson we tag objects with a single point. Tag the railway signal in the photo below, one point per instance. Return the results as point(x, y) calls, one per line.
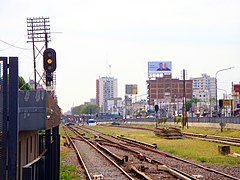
point(49, 64)
point(49, 60)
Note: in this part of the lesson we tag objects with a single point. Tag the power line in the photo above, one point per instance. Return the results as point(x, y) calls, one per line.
point(12, 46)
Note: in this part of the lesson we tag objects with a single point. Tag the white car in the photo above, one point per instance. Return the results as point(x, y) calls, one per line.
point(150, 116)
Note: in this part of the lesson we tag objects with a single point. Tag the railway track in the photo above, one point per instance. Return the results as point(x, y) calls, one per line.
point(133, 161)
point(175, 163)
point(218, 139)
point(95, 163)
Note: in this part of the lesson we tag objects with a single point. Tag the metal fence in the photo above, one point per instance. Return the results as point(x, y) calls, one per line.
point(8, 117)
point(230, 120)
point(3, 117)
point(35, 169)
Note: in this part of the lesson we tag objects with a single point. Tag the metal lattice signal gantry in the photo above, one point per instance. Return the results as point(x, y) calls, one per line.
point(39, 35)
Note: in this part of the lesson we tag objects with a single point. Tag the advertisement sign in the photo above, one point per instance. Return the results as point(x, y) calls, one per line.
point(134, 89)
point(131, 89)
point(236, 87)
point(128, 89)
point(159, 67)
point(227, 102)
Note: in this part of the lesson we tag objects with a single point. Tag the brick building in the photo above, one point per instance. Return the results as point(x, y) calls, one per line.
point(167, 90)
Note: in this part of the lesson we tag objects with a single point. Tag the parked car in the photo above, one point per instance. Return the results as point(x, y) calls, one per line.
point(115, 123)
point(150, 116)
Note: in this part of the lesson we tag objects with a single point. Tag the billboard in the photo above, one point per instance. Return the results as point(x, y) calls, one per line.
point(159, 67)
point(131, 89)
point(225, 102)
point(236, 87)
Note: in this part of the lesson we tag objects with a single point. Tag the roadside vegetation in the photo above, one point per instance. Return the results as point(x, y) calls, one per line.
point(199, 130)
point(196, 150)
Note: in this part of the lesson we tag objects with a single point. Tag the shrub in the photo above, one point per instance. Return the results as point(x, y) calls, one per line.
point(177, 119)
point(162, 120)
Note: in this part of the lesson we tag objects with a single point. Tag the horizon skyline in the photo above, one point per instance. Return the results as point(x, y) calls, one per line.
point(199, 36)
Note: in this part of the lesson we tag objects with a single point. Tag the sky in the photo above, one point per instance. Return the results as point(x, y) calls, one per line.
point(115, 38)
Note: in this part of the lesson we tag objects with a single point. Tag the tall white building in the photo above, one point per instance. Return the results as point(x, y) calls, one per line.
point(106, 88)
point(204, 88)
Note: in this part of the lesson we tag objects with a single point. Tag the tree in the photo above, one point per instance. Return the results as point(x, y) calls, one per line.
point(22, 85)
point(85, 109)
point(189, 103)
point(90, 109)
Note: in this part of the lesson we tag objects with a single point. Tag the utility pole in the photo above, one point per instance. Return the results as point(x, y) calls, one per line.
point(184, 121)
point(38, 32)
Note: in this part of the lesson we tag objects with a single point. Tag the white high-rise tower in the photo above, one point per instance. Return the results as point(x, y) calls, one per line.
point(106, 88)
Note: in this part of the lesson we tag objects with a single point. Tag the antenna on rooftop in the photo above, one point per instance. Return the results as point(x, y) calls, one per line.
point(106, 64)
point(110, 70)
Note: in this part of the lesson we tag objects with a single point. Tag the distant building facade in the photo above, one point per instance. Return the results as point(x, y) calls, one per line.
point(93, 101)
point(168, 93)
point(114, 105)
point(204, 88)
point(165, 89)
point(106, 88)
point(236, 100)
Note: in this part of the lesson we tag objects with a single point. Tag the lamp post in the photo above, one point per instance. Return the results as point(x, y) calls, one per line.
point(216, 84)
point(225, 93)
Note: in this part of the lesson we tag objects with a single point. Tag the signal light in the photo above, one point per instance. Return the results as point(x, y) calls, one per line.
point(49, 60)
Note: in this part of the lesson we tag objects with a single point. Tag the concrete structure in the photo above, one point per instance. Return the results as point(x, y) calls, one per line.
point(93, 101)
point(235, 102)
point(204, 88)
point(114, 105)
point(106, 88)
point(140, 108)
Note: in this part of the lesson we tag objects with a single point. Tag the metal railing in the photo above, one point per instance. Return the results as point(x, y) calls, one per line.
point(35, 169)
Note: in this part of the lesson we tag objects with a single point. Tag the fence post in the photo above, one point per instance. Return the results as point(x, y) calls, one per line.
point(13, 119)
point(3, 114)
point(27, 173)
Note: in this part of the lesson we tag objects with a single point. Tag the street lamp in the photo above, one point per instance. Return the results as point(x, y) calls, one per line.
point(225, 93)
point(225, 110)
point(216, 84)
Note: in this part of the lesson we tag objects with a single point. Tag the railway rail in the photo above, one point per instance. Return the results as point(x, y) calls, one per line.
point(135, 162)
point(95, 163)
point(218, 139)
point(173, 162)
